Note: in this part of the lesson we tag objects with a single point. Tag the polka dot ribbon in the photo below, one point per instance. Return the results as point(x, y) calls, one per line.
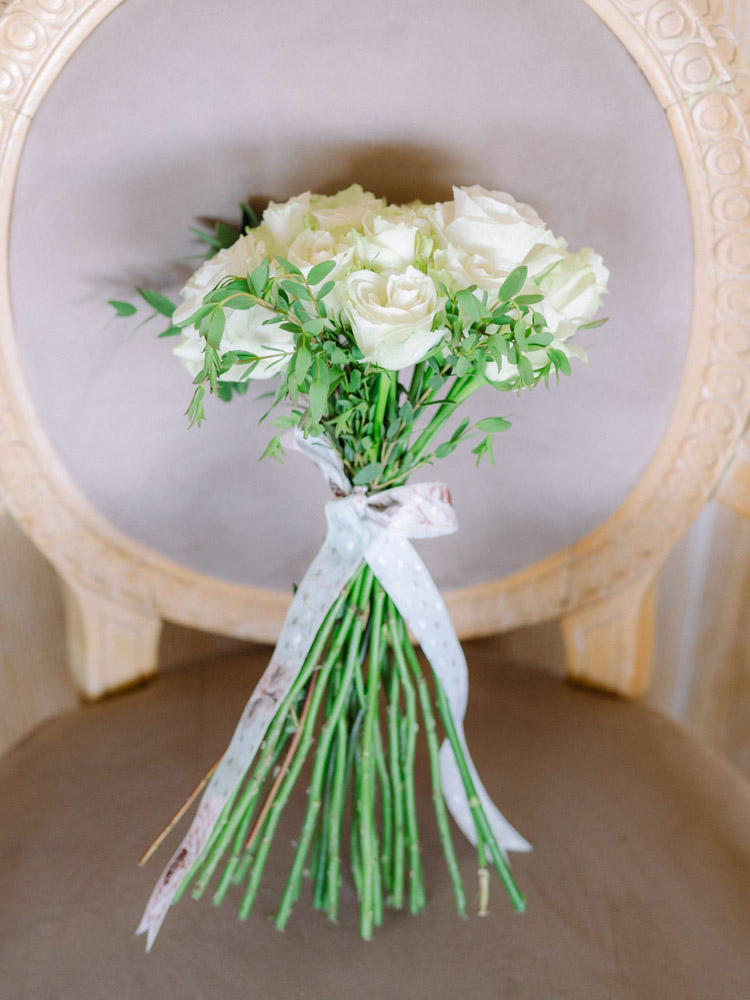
point(375, 528)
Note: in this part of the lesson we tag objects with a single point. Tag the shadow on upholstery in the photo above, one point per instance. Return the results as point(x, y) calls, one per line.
point(637, 888)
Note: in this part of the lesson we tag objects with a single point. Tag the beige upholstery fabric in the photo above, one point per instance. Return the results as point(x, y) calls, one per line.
point(638, 887)
point(180, 108)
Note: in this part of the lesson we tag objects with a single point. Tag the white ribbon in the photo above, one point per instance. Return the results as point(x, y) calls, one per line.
point(376, 529)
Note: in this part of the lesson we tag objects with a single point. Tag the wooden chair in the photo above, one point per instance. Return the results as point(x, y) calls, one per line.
point(623, 121)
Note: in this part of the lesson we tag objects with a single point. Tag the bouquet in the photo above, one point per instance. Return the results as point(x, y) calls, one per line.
point(375, 323)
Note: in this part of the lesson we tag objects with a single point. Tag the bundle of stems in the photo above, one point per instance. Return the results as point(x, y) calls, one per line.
point(355, 709)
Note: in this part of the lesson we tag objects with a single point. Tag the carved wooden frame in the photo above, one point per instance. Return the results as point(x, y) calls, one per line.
point(118, 591)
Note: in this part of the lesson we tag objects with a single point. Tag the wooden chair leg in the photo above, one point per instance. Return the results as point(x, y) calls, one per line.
point(609, 645)
point(111, 645)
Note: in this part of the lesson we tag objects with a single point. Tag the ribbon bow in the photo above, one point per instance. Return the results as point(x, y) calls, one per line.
point(377, 528)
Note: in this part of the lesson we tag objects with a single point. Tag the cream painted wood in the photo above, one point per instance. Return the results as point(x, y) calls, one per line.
point(734, 489)
point(35, 682)
point(610, 644)
point(111, 644)
point(692, 63)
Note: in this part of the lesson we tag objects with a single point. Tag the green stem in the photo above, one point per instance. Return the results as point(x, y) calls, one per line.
point(397, 854)
point(335, 822)
point(481, 824)
point(350, 621)
point(408, 737)
point(460, 390)
point(433, 746)
point(214, 852)
point(321, 756)
point(367, 834)
point(384, 388)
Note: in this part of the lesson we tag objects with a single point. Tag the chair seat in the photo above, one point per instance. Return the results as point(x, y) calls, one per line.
point(638, 886)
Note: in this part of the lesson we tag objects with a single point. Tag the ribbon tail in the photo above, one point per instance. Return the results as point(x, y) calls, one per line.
point(331, 570)
point(408, 583)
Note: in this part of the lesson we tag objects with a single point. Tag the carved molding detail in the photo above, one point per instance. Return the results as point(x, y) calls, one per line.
point(694, 65)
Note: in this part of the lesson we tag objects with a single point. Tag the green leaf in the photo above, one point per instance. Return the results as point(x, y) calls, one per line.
point(289, 267)
point(444, 449)
point(318, 396)
point(259, 277)
point(324, 290)
point(285, 421)
point(231, 298)
point(249, 218)
point(226, 235)
point(171, 331)
point(461, 367)
point(157, 301)
point(513, 283)
point(216, 328)
point(497, 343)
point(484, 448)
point(493, 425)
point(205, 237)
point(501, 318)
point(469, 304)
point(339, 357)
point(195, 411)
point(519, 332)
point(456, 435)
point(528, 300)
point(122, 308)
point(273, 450)
point(526, 371)
point(314, 326)
point(559, 360)
point(197, 316)
point(320, 271)
point(594, 324)
point(297, 290)
point(541, 339)
point(302, 362)
point(368, 474)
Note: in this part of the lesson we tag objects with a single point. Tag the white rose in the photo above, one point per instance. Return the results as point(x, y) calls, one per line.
point(345, 210)
point(391, 316)
point(283, 221)
point(544, 255)
point(463, 269)
point(386, 244)
point(573, 291)
point(314, 246)
point(245, 330)
point(244, 255)
point(489, 224)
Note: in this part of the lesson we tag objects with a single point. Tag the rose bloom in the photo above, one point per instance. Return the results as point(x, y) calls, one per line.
point(391, 316)
point(341, 212)
point(283, 221)
point(245, 330)
point(573, 290)
point(387, 244)
point(243, 256)
point(489, 224)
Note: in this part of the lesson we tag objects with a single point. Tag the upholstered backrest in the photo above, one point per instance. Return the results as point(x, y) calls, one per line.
point(171, 111)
